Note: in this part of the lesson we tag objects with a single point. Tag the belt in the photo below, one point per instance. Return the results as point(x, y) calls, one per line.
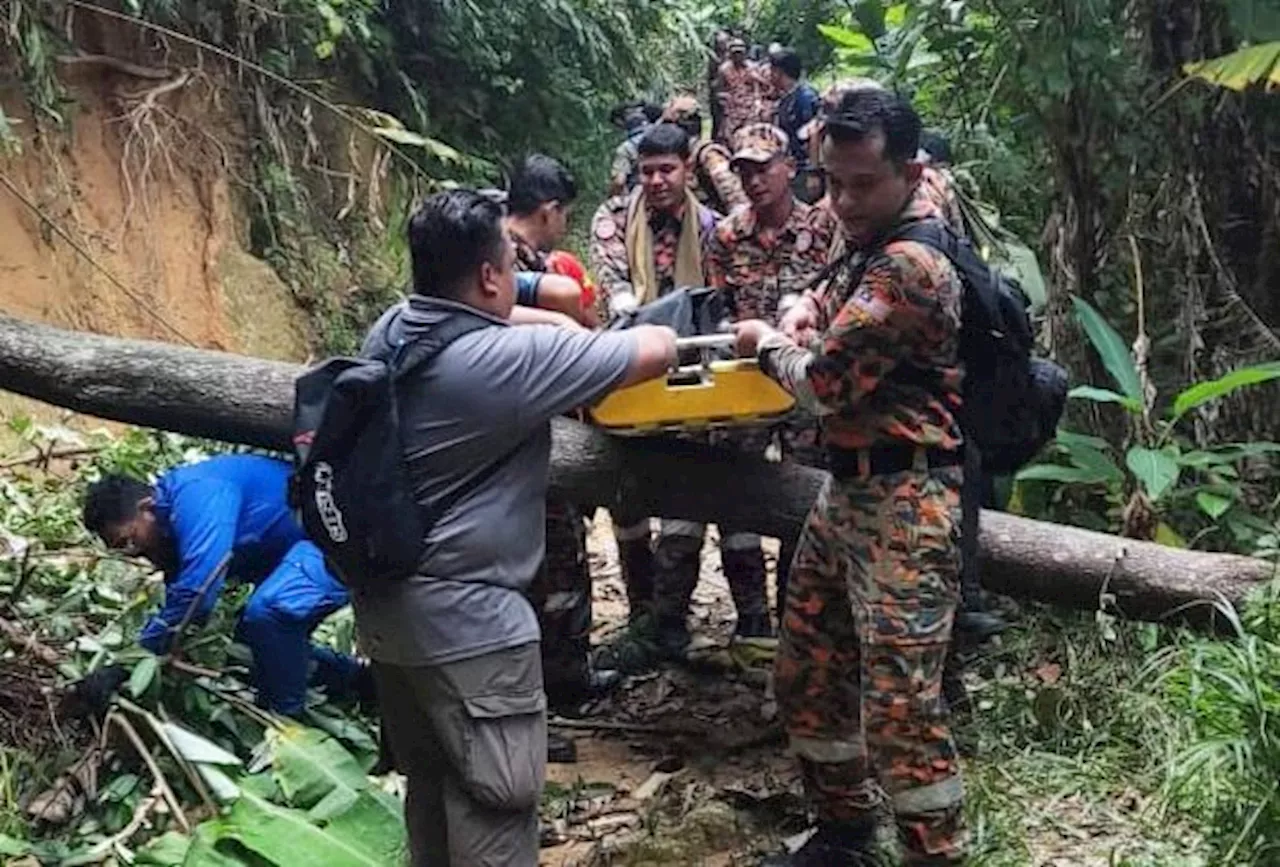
point(887, 460)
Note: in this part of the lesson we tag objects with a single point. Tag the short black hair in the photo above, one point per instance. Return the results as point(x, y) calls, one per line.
point(937, 145)
point(452, 234)
point(862, 113)
point(789, 62)
point(112, 500)
point(539, 179)
point(664, 139)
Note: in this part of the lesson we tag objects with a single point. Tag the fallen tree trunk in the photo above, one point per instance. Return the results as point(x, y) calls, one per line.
point(249, 401)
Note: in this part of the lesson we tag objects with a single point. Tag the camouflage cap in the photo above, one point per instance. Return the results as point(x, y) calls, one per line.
point(681, 108)
point(759, 143)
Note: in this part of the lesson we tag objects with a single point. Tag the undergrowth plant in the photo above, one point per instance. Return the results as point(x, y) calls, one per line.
point(1224, 696)
point(1191, 495)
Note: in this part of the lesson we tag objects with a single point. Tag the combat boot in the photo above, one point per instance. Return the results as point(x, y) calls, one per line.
point(560, 750)
point(978, 626)
point(673, 638)
point(635, 561)
point(836, 844)
point(744, 571)
point(635, 651)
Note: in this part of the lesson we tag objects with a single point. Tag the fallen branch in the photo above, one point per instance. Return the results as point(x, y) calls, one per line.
point(124, 66)
point(192, 775)
point(20, 640)
point(160, 783)
point(250, 401)
point(591, 725)
point(43, 456)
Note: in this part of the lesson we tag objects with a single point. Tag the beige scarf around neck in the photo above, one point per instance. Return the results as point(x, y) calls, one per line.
point(639, 239)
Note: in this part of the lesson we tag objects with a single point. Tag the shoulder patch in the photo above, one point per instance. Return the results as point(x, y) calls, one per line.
point(606, 228)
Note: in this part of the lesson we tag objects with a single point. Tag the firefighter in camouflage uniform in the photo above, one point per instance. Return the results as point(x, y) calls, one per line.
point(538, 202)
point(711, 177)
point(776, 247)
point(875, 582)
point(643, 247)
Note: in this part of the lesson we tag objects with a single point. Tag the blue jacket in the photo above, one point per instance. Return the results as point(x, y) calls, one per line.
point(235, 504)
point(795, 109)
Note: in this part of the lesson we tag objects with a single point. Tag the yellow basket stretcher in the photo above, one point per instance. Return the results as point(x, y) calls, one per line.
point(714, 393)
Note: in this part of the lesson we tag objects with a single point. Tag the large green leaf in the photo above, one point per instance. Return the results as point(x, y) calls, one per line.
point(1257, 64)
point(143, 675)
point(1227, 453)
point(286, 837)
point(1213, 505)
point(220, 785)
point(1157, 470)
point(1104, 395)
point(373, 822)
point(1070, 439)
point(1111, 347)
point(205, 850)
point(846, 38)
point(1203, 392)
point(168, 850)
point(13, 846)
point(1095, 461)
point(195, 748)
point(310, 765)
point(1059, 473)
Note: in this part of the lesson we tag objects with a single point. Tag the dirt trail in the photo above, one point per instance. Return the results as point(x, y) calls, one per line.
point(726, 800)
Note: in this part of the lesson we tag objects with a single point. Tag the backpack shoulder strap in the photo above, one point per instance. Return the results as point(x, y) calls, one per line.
point(410, 354)
point(413, 353)
point(981, 287)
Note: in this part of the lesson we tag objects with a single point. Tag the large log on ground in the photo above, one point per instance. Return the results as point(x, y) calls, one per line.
point(249, 401)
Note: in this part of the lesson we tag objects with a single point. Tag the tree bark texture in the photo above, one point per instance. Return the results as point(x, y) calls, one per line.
point(245, 400)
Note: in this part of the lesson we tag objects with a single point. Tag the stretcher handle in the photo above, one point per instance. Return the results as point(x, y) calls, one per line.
point(706, 341)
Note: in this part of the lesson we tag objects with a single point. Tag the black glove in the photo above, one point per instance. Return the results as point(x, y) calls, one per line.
point(92, 695)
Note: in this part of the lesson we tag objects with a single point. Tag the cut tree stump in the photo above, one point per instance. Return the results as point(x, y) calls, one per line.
point(250, 401)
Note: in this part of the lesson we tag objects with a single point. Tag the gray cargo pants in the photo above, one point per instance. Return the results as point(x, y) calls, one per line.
point(471, 736)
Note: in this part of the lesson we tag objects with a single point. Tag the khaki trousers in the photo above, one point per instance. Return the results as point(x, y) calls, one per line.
point(471, 736)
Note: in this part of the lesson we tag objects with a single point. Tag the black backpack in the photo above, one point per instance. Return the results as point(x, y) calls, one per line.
point(1012, 401)
point(351, 486)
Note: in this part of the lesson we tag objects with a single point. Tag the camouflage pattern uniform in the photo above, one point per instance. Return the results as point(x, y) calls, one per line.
point(561, 591)
point(940, 188)
point(607, 253)
point(738, 90)
point(608, 259)
point(874, 586)
point(712, 179)
point(756, 266)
